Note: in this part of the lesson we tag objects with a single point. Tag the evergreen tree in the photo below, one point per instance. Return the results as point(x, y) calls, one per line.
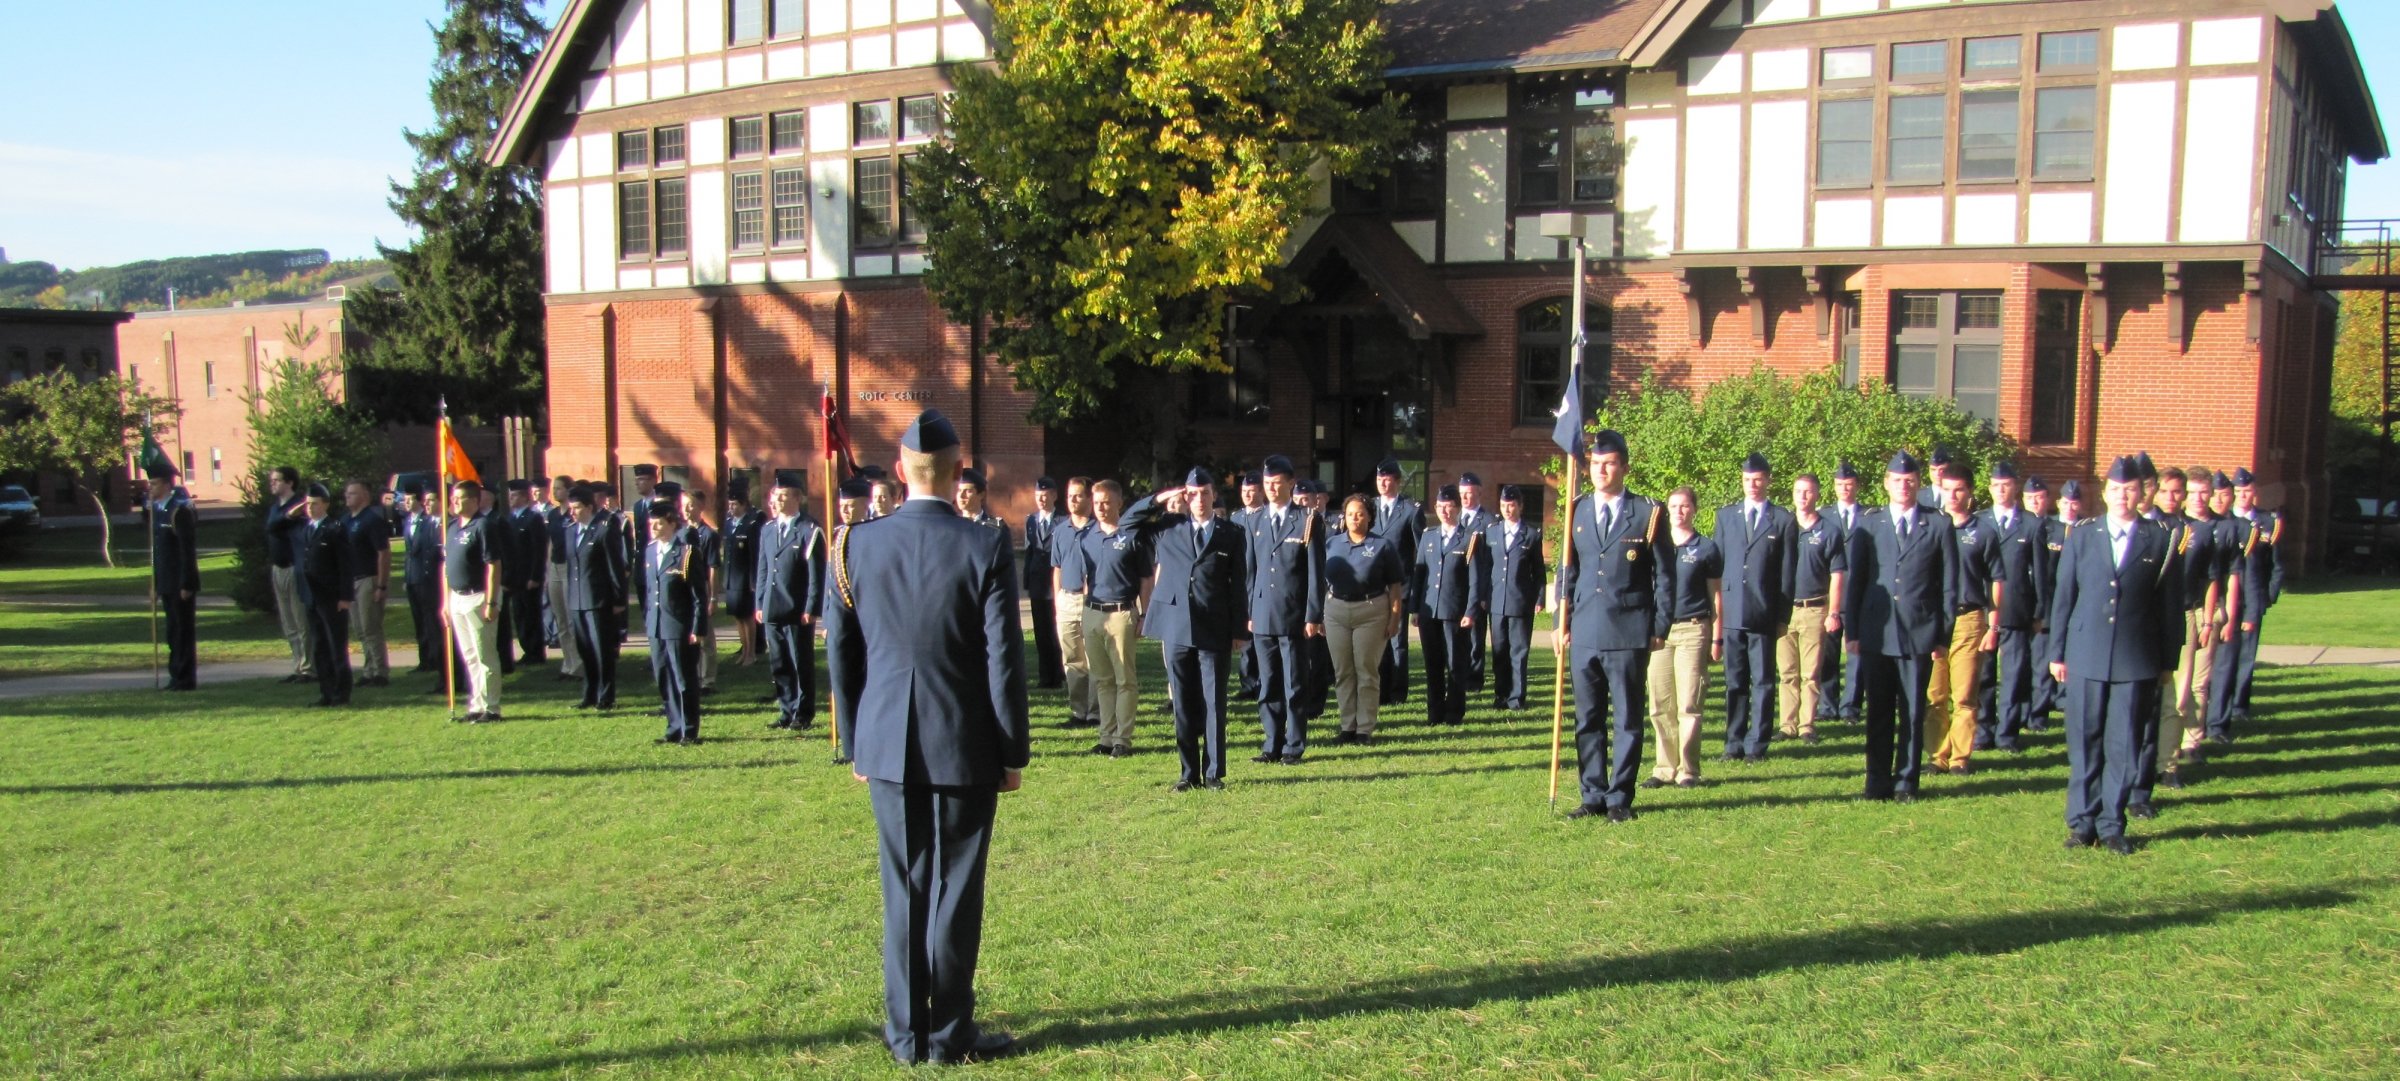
point(299, 420)
point(465, 319)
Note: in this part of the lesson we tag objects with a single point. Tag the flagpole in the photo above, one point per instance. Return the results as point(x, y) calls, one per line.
point(441, 472)
point(150, 522)
point(833, 730)
point(1566, 534)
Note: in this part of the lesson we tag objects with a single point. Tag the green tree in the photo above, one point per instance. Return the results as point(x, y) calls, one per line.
point(1128, 167)
point(297, 419)
point(2354, 443)
point(465, 317)
point(81, 430)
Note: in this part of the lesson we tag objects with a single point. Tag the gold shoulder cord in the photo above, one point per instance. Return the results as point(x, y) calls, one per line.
point(841, 564)
point(1650, 532)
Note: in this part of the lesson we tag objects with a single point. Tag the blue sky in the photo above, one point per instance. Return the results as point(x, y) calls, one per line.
point(139, 129)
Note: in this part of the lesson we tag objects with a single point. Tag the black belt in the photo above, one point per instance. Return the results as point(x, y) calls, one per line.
point(1694, 619)
point(1817, 603)
point(1107, 606)
point(1966, 608)
point(1360, 599)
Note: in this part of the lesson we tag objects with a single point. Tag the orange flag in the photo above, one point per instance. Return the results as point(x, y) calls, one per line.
point(454, 457)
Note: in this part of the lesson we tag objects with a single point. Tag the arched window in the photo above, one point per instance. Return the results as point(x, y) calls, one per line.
point(1542, 358)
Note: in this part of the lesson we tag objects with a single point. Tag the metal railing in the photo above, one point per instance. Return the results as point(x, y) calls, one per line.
point(2355, 248)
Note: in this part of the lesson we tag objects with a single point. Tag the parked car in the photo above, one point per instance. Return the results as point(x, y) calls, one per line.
point(18, 509)
point(2366, 535)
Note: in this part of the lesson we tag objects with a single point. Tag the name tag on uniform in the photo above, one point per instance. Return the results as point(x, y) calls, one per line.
point(1294, 540)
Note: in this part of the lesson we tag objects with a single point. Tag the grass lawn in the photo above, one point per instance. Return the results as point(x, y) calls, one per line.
point(129, 578)
point(2336, 610)
point(39, 640)
point(217, 886)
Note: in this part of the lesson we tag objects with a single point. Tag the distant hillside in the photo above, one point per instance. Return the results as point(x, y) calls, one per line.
point(200, 281)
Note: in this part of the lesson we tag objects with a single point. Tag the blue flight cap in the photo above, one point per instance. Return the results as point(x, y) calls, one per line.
point(856, 488)
point(581, 493)
point(2149, 468)
point(1448, 494)
point(738, 489)
point(790, 478)
point(1902, 462)
point(645, 469)
point(2124, 470)
point(1251, 479)
point(1276, 465)
point(1469, 480)
point(971, 475)
point(1941, 456)
point(1199, 477)
point(1756, 463)
point(2220, 480)
point(668, 490)
point(930, 432)
point(1389, 467)
point(1605, 441)
point(1845, 471)
point(2071, 490)
point(2005, 471)
point(1309, 486)
point(1512, 493)
point(1045, 483)
point(162, 471)
point(2242, 477)
point(2037, 484)
point(519, 484)
point(316, 488)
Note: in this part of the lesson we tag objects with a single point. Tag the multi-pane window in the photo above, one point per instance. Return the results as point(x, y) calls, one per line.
point(1921, 61)
point(746, 20)
point(1947, 345)
point(2068, 52)
point(1843, 65)
point(875, 194)
point(789, 18)
point(749, 136)
point(216, 465)
point(1994, 57)
point(1417, 172)
point(2057, 337)
point(1846, 143)
point(1849, 313)
point(871, 122)
point(674, 232)
point(1919, 127)
point(1987, 135)
point(1566, 145)
point(633, 150)
point(1543, 356)
point(208, 377)
point(790, 132)
point(667, 145)
point(912, 227)
point(633, 219)
point(749, 211)
point(650, 213)
point(2064, 118)
point(791, 208)
point(920, 117)
point(1241, 394)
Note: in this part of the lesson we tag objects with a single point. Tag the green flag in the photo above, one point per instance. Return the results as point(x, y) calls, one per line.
point(153, 456)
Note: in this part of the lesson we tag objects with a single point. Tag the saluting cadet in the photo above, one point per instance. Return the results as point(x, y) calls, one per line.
point(554, 587)
point(1694, 601)
point(737, 553)
point(1196, 613)
point(287, 511)
point(2158, 728)
point(1287, 608)
point(1253, 502)
point(1399, 522)
point(328, 587)
point(474, 567)
point(1117, 567)
point(1070, 586)
point(421, 575)
point(2048, 696)
point(1520, 584)
point(1758, 546)
point(368, 533)
point(1611, 616)
point(1817, 576)
point(702, 537)
point(596, 594)
point(1048, 670)
point(175, 577)
point(2110, 610)
point(2257, 557)
point(1950, 716)
point(1365, 580)
point(1475, 517)
point(788, 585)
point(2021, 580)
point(1453, 575)
point(678, 603)
point(1839, 689)
point(1903, 597)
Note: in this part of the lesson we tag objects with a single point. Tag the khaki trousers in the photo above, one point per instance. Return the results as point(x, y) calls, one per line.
point(292, 616)
point(478, 647)
point(1354, 632)
point(1108, 639)
point(1678, 684)
point(708, 655)
point(1950, 696)
point(555, 586)
point(1072, 656)
point(2185, 720)
point(366, 625)
point(1797, 651)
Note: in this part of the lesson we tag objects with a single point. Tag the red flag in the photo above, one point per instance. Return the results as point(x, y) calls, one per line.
point(454, 457)
point(837, 436)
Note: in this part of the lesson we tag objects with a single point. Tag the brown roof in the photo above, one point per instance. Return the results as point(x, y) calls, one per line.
point(1430, 37)
point(1399, 277)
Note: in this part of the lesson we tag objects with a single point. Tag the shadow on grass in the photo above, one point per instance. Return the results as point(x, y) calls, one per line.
point(2355, 820)
point(1239, 1009)
point(238, 784)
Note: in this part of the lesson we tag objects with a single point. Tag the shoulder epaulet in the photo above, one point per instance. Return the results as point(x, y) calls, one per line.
point(841, 565)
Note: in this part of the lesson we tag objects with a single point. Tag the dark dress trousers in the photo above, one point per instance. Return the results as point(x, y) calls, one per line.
point(2046, 693)
point(1453, 576)
point(596, 588)
point(1399, 523)
point(1197, 606)
point(1903, 602)
point(554, 623)
point(2020, 557)
point(788, 589)
point(322, 555)
point(737, 563)
point(1842, 698)
point(1049, 665)
point(421, 577)
point(1615, 585)
point(677, 585)
point(1246, 688)
point(1287, 595)
point(1518, 578)
point(2175, 594)
point(2109, 618)
point(174, 571)
point(2251, 553)
point(925, 641)
point(1760, 563)
point(1475, 521)
point(529, 557)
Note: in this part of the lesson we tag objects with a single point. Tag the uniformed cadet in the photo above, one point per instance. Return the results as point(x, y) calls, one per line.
point(1520, 586)
point(1196, 613)
point(554, 586)
point(1049, 671)
point(1611, 616)
point(368, 533)
point(2048, 696)
point(328, 588)
point(970, 500)
point(1365, 582)
point(1287, 608)
point(421, 575)
point(596, 596)
point(527, 565)
point(1400, 522)
point(2158, 729)
point(1070, 586)
point(616, 524)
point(1117, 569)
point(1758, 544)
point(2111, 610)
point(2257, 558)
point(474, 567)
point(678, 593)
point(883, 494)
point(287, 511)
point(1318, 686)
point(1839, 690)
point(1800, 652)
point(737, 553)
point(636, 523)
point(1956, 699)
point(1475, 517)
point(2186, 696)
point(2021, 580)
point(1694, 601)
point(175, 576)
point(1253, 500)
point(702, 537)
point(1929, 497)
point(788, 589)
point(546, 516)
point(1903, 597)
point(852, 507)
point(1454, 569)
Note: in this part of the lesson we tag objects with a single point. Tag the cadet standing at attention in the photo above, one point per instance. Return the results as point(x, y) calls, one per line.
point(1365, 579)
point(1049, 671)
point(678, 602)
point(738, 553)
point(1611, 617)
point(1693, 601)
point(1903, 587)
point(1287, 608)
point(1840, 700)
point(787, 594)
point(1759, 547)
point(1520, 581)
point(175, 575)
point(1453, 571)
point(2109, 612)
point(2021, 580)
point(1399, 521)
point(327, 587)
point(1800, 652)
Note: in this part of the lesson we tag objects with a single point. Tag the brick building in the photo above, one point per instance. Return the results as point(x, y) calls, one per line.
point(2089, 221)
point(38, 341)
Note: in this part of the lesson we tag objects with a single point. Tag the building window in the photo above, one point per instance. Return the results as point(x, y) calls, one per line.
point(633, 220)
point(920, 117)
point(133, 375)
point(871, 122)
point(791, 132)
point(2057, 345)
point(208, 378)
point(1543, 356)
point(2064, 118)
point(1994, 57)
point(791, 208)
point(788, 20)
point(1849, 316)
point(216, 465)
point(912, 228)
point(1919, 127)
point(673, 231)
point(1947, 345)
point(668, 145)
point(187, 463)
point(1846, 65)
point(873, 193)
point(1921, 62)
point(749, 211)
point(746, 20)
point(1566, 145)
point(633, 151)
point(1417, 172)
point(1987, 135)
point(2077, 51)
point(1846, 143)
point(749, 136)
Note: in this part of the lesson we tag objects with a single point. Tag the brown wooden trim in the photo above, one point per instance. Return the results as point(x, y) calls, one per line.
point(2095, 307)
point(1754, 299)
point(739, 289)
point(2173, 271)
point(2061, 253)
point(1812, 278)
point(1687, 282)
point(2253, 298)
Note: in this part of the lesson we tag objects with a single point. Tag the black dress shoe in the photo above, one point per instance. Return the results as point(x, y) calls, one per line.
point(1587, 811)
point(842, 760)
point(1266, 759)
point(1687, 782)
point(987, 1047)
point(2081, 840)
point(2141, 810)
point(294, 678)
point(1904, 797)
point(2119, 845)
point(1099, 748)
point(690, 741)
point(1652, 782)
point(666, 740)
point(2171, 779)
point(780, 722)
point(1182, 786)
point(2220, 741)
point(1120, 752)
point(587, 705)
point(1291, 760)
point(1754, 759)
point(1620, 814)
point(320, 702)
point(1812, 739)
point(491, 717)
point(766, 699)
point(1213, 784)
point(1729, 756)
